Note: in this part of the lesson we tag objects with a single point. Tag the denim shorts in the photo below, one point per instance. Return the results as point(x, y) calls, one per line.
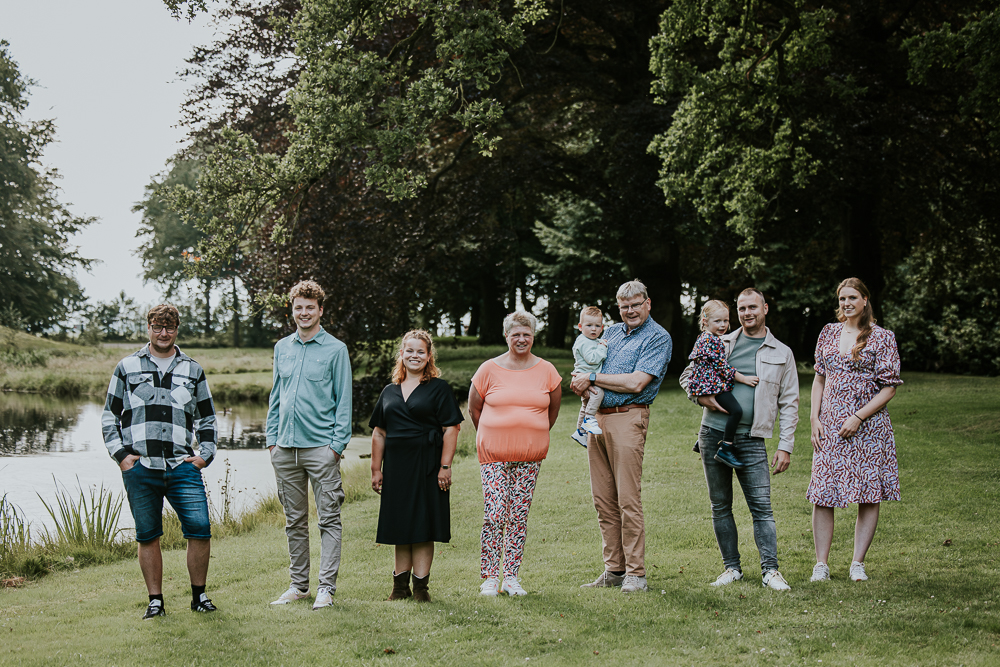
point(182, 486)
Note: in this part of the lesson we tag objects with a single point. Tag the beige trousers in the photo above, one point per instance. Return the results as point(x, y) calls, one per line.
point(616, 482)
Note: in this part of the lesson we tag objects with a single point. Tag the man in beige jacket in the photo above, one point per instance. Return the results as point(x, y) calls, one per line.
point(752, 350)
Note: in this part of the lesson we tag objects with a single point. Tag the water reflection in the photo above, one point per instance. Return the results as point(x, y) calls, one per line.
point(31, 424)
point(47, 441)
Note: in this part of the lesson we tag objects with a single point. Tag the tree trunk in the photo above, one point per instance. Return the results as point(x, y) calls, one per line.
point(473, 329)
point(491, 317)
point(558, 319)
point(207, 285)
point(236, 314)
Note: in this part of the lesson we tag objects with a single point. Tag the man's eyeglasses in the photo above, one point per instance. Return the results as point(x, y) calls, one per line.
point(625, 307)
point(160, 329)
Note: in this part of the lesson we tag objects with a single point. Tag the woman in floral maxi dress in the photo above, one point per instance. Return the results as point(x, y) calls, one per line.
point(854, 452)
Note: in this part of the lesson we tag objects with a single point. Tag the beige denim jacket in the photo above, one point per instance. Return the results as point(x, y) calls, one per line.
point(777, 393)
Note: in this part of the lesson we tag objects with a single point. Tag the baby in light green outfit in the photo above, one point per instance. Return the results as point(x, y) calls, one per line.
point(589, 353)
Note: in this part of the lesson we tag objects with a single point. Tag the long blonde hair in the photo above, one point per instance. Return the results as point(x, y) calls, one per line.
point(867, 319)
point(430, 370)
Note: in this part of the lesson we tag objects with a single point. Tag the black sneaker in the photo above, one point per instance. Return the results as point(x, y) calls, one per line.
point(154, 609)
point(203, 605)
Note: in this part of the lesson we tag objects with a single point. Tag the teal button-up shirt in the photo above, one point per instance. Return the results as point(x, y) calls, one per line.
point(310, 404)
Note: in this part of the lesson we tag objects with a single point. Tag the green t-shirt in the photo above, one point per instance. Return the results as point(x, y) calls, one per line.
point(744, 359)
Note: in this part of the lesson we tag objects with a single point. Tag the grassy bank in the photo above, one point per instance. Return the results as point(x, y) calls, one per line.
point(926, 603)
point(236, 375)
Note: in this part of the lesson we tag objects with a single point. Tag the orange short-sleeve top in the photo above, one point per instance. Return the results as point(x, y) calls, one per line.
point(514, 424)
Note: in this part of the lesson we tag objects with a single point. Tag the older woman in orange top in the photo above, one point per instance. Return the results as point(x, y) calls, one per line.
point(513, 402)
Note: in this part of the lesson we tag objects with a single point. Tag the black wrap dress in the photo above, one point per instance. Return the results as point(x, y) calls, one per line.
point(414, 509)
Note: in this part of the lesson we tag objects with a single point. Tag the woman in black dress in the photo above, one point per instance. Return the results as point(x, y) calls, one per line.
point(415, 429)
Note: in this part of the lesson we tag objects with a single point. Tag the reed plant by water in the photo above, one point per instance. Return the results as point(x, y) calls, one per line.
point(90, 521)
point(15, 538)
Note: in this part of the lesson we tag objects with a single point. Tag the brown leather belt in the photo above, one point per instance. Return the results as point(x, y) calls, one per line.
point(621, 408)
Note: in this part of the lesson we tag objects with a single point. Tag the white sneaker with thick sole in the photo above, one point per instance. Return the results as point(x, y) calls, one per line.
point(858, 571)
point(580, 437)
point(590, 426)
point(634, 583)
point(773, 580)
point(512, 587)
point(727, 577)
point(324, 598)
point(821, 572)
point(291, 595)
point(490, 587)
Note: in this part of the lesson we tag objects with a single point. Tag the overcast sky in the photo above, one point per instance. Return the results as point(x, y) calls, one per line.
point(106, 72)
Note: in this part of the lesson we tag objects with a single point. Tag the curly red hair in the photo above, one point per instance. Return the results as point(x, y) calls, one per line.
point(430, 370)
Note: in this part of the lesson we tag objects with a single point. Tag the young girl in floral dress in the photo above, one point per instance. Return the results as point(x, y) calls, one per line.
point(712, 375)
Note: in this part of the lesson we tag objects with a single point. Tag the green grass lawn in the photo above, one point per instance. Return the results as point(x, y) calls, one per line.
point(926, 603)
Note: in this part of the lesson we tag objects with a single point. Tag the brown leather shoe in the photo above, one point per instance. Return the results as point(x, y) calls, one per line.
point(401, 586)
point(420, 593)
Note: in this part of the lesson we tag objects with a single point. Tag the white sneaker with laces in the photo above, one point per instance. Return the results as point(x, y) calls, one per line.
point(512, 587)
point(291, 595)
point(821, 572)
point(490, 587)
point(590, 426)
point(634, 583)
point(727, 577)
point(774, 581)
point(580, 437)
point(324, 598)
point(858, 571)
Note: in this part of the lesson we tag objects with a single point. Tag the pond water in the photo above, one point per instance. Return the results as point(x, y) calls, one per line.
point(45, 442)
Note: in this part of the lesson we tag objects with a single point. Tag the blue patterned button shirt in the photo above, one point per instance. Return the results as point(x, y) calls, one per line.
point(646, 348)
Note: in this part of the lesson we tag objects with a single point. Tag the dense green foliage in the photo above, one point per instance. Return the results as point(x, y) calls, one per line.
point(37, 258)
point(436, 161)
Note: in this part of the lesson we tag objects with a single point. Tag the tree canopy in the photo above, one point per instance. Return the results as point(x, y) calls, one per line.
point(445, 159)
point(37, 259)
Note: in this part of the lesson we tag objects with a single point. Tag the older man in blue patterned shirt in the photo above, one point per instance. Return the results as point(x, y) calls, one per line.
point(638, 353)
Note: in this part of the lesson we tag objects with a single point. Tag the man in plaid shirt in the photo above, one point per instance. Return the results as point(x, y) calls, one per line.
point(158, 403)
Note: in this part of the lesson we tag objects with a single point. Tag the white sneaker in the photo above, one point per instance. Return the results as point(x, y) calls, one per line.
point(580, 437)
point(727, 577)
point(774, 581)
point(821, 572)
point(324, 598)
point(858, 571)
point(291, 595)
point(490, 587)
point(634, 583)
point(590, 426)
point(512, 587)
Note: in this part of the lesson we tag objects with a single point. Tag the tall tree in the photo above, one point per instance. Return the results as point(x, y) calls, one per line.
point(37, 259)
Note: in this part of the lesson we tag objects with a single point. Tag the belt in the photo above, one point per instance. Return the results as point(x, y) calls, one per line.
point(621, 408)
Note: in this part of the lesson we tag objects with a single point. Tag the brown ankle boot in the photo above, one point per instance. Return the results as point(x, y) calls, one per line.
point(420, 593)
point(401, 586)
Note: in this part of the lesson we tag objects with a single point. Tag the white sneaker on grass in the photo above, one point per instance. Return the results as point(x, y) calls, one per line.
point(512, 587)
point(821, 572)
point(858, 571)
point(490, 587)
point(633, 583)
point(773, 580)
point(324, 598)
point(590, 426)
point(291, 595)
point(727, 577)
point(580, 437)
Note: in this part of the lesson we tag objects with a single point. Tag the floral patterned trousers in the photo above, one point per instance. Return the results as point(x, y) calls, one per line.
point(507, 491)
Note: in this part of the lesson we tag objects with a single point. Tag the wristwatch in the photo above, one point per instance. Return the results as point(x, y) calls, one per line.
point(444, 467)
point(593, 377)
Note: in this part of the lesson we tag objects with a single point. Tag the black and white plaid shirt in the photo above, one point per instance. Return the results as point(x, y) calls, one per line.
point(156, 417)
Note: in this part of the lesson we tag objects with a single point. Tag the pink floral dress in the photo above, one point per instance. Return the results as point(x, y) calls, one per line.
point(863, 468)
point(710, 374)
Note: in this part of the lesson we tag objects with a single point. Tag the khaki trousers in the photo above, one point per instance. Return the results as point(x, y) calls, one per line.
point(294, 469)
point(616, 482)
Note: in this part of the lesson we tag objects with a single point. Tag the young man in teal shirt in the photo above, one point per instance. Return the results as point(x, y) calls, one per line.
point(308, 428)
